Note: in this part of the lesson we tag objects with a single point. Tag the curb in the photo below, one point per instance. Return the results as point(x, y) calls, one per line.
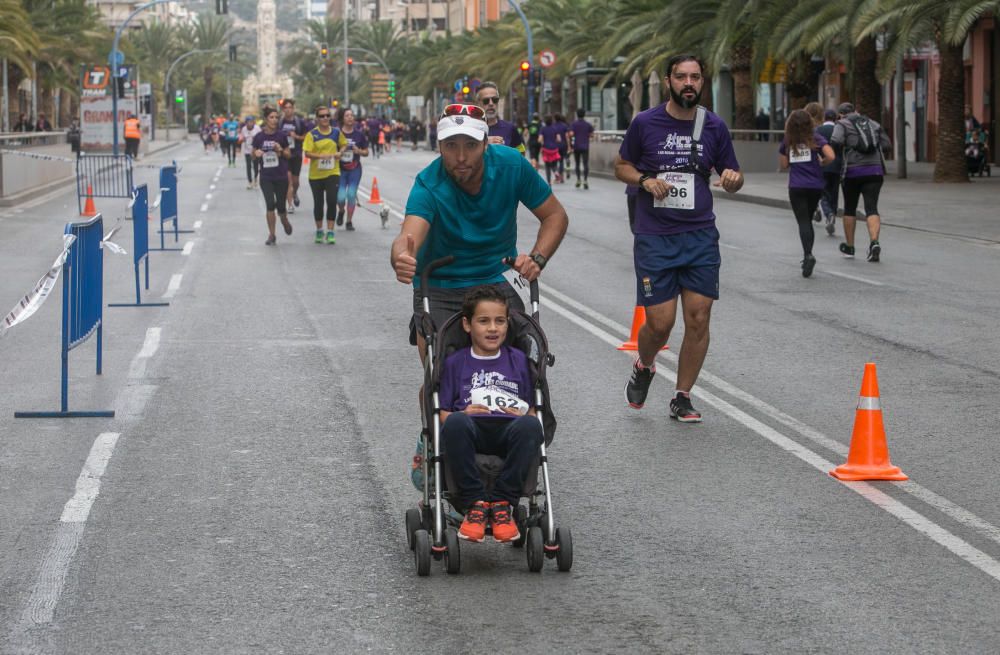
point(28, 194)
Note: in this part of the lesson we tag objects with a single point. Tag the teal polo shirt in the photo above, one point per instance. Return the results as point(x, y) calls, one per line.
point(478, 230)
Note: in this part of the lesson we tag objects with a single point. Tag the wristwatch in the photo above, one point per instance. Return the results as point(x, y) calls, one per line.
point(539, 259)
point(642, 179)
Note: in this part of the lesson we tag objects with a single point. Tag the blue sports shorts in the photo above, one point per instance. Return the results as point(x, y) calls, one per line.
point(667, 263)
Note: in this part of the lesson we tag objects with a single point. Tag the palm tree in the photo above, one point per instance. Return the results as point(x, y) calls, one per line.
point(18, 40)
point(155, 46)
point(305, 59)
point(210, 32)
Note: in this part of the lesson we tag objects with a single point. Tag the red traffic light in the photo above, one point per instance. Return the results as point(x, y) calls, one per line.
point(525, 65)
point(350, 61)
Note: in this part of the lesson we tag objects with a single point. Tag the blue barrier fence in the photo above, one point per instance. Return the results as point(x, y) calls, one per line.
point(83, 302)
point(107, 176)
point(140, 245)
point(168, 204)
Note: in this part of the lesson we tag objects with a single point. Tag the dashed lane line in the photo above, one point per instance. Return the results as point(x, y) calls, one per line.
point(173, 285)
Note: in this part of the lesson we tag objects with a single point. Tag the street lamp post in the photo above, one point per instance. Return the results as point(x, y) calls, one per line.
point(531, 58)
point(347, 69)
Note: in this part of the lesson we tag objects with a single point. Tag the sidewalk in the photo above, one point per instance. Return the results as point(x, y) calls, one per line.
point(916, 203)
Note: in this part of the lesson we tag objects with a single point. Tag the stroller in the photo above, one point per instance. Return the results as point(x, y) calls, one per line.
point(977, 154)
point(431, 528)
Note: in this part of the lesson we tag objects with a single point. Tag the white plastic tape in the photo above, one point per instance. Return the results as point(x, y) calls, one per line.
point(106, 242)
point(34, 299)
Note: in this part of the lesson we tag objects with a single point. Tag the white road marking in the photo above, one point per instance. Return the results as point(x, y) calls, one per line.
point(88, 485)
point(149, 348)
point(197, 224)
point(204, 207)
point(856, 278)
point(173, 285)
point(730, 247)
point(208, 196)
point(915, 520)
point(188, 247)
point(211, 187)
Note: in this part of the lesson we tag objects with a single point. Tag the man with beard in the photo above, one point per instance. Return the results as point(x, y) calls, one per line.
point(501, 132)
point(668, 154)
point(465, 204)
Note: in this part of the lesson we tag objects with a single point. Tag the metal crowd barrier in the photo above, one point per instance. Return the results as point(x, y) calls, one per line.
point(105, 176)
point(167, 202)
point(83, 301)
point(140, 245)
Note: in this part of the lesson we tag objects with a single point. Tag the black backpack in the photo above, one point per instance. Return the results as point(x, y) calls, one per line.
point(867, 135)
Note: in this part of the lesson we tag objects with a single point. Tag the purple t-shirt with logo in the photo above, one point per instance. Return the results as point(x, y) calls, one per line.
point(356, 139)
point(463, 371)
point(806, 174)
point(297, 125)
point(270, 143)
point(581, 134)
point(654, 142)
point(549, 133)
point(562, 129)
point(509, 132)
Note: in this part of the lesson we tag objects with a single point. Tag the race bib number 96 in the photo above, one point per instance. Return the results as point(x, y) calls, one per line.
point(497, 400)
point(681, 195)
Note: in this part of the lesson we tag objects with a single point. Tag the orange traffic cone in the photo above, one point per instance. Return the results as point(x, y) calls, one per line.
point(88, 207)
point(376, 199)
point(638, 320)
point(868, 458)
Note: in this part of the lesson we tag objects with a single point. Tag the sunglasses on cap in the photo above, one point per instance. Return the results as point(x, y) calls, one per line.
point(475, 111)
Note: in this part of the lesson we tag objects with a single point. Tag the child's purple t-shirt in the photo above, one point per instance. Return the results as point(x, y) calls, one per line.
point(463, 371)
point(807, 174)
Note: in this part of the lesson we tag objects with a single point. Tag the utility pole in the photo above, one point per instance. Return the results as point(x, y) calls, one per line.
point(347, 69)
point(900, 119)
point(531, 57)
point(6, 100)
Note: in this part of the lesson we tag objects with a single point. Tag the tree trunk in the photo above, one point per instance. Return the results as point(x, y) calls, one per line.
point(743, 91)
point(555, 104)
point(707, 97)
point(208, 75)
point(867, 93)
point(949, 165)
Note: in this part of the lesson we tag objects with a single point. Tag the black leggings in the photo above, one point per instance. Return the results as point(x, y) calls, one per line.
point(857, 187)
point(582, 156)
point(274, 194)
point(253, 168)
point(328, 187)
point(550, 168)
point(804, 203)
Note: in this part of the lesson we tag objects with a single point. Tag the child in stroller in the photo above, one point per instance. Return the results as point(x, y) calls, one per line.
point(976, 153)
point(489, 422)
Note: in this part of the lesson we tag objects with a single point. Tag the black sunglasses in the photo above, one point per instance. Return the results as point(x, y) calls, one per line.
point(322, 115)
point(495, 100)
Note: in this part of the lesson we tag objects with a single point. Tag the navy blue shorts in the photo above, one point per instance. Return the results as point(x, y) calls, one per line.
point(667, 263)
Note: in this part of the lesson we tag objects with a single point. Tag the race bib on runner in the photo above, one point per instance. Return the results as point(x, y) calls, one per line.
point(800, 155)
point(348, 152)
point(520, 285)
point(497, 399)
point(270, 159)
point(681, 195)
point(325, 164)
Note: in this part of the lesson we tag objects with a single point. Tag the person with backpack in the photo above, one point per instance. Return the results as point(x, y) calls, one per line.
point(831, 175)
point(863, 141)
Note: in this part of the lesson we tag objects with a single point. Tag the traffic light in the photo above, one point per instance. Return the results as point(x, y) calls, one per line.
point(466, 89)
point(232, 53)
point(525, 70)
point(336, 103)
point(350, 61)
point(392, 91)
point(222, 6)
point(179, 96)
point(324, 52)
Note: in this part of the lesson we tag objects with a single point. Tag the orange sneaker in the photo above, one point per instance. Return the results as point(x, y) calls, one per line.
point(504, 527)
point(473, 528)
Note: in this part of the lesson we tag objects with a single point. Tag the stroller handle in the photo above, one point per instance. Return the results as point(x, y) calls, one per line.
point(532, 286)
point(425, 275)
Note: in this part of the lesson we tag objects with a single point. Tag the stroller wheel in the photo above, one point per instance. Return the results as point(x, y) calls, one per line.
point(564, 556)
point(412, 525)
point(452, 556)
point(422, 552)
point(521, 518)
point(535, 549)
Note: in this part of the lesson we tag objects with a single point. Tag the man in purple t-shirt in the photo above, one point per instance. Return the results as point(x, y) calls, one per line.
point(501, 132)
point(676, 245)
point(579, 133)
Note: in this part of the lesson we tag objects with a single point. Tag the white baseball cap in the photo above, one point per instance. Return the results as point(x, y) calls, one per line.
point(450, 126)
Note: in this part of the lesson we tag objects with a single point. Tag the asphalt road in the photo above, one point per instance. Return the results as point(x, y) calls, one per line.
point(257, 469)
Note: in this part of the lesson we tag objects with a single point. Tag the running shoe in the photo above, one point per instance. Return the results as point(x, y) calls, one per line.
point(817, 215)
point(329, 238)
point(295, 200)
point(638, 385)
point(504, 527)
point(682, 410)
point(473, 528)
point(285, 224)
point(340, 218)
point(349, 227)
point(831, 224)
point(874, 251)
point(808, 264)
point(847, 250)
point(585, 186)
point(319, 236)
point(578, 184)
point(271, 240)
point(249, 185)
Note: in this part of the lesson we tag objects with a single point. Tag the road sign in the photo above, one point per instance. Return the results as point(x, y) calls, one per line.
point(116, 58)
point(546, 58)
point(459, 84)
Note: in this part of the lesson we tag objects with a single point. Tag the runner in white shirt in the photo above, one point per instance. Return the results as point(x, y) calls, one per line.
point(248, 131)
